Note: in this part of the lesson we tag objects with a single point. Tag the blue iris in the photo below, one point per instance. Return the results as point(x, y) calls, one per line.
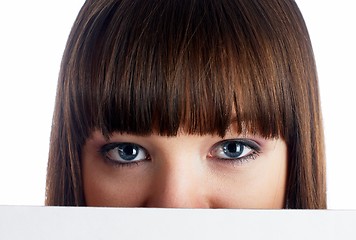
point(233, 149)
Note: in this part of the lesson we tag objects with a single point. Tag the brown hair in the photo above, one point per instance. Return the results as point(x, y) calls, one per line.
point(139, 66)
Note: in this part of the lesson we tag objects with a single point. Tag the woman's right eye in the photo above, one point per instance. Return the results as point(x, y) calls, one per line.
point(124, 153)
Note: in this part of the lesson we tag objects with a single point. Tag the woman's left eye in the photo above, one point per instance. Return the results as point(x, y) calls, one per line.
point(235, 150)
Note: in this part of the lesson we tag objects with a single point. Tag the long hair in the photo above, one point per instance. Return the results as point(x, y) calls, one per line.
point(139, 66)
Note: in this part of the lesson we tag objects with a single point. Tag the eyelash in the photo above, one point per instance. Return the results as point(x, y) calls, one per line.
point(255, 148)
point(104, 150)
point(250, 144)
point(240, 161)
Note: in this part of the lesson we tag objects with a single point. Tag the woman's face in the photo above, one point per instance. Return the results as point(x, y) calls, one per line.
point(185, 171)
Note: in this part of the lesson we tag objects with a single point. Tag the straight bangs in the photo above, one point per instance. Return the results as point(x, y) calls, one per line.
point(191, 66)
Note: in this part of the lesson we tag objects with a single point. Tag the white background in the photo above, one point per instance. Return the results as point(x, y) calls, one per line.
point(32, 39)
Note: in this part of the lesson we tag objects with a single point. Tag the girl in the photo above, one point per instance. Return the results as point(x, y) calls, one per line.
point(189, 103)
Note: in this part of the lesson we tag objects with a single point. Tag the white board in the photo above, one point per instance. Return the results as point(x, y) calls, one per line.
point(19, 222)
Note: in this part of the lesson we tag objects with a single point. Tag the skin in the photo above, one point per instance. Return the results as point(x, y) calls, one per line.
point(184, 172)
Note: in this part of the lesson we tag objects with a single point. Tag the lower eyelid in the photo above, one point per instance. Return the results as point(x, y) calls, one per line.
point(117, 164)
point(238, 161)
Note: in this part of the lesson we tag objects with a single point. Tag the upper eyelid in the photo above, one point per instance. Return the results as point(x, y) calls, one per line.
point(247, 142)
point(107, 147)
point(252, 144)
point(110, 146)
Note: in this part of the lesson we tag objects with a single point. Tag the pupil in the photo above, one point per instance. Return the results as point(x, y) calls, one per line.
point(128, 151)
point(233, 149)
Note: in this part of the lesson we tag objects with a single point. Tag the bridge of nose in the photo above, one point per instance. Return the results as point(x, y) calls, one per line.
point(180, 175)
